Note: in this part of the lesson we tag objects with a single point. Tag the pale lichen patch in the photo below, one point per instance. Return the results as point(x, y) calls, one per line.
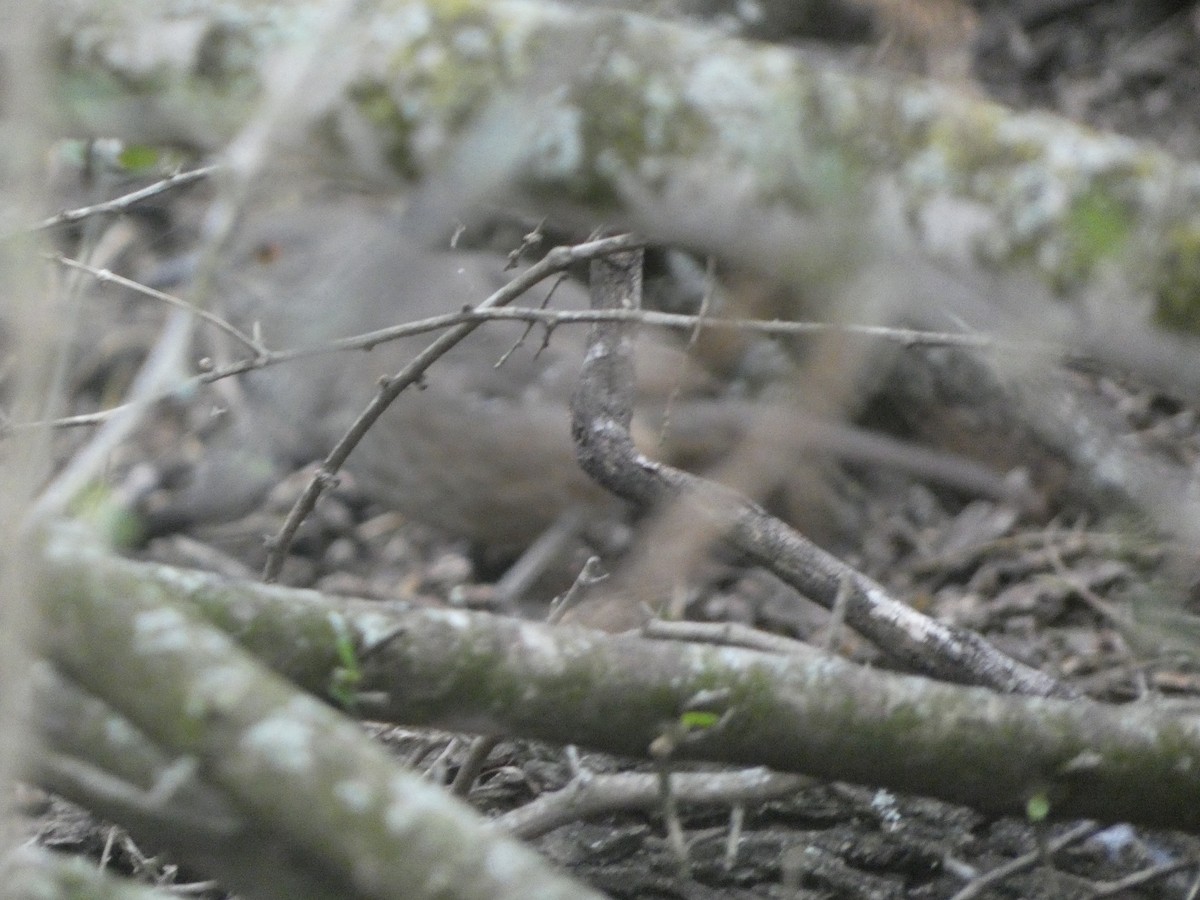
point(403, 812)
point(455, 618)
point(505, 861)
point(473, 43)
point(161, 630)
point(722, 85)
point(559, 148)
point(355, 793)
point(119, 733)
point(283, 743)
point(374, 628)
point(547, 648)
point(185, 581)
point(217, 687)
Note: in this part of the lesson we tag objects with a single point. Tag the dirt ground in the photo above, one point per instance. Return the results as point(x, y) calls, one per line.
point(1049, 589)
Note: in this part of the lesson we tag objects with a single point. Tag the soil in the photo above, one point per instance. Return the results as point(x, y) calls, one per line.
point(1047, 589)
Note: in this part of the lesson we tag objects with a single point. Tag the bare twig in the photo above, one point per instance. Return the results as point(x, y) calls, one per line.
point(728, 634)
point(591, 574)
point(552, 318)
point(601, 416)
point(1027, 861)
point(104, 276)
point(477, 755)
point(536, 558)
point(590, 795)
point(472, 764)
point(338, 800)
point(155, 372)
point(127, 201)
point(1142, 877)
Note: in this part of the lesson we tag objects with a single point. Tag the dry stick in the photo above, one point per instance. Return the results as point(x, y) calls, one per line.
point(472, 763)
point(737, 823)
point(1138, 879)
point(588, 795)
point(104, 276)
point(557, 260)
point(194, 822)
point(676, 839)
point(536, 558)
point(1027, 861)
point(601, 416)
point(246, 155)
point(127, 201)
point(725, 634)
point(590, 575)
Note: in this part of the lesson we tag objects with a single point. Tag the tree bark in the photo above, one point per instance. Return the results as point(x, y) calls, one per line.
point(125, 624)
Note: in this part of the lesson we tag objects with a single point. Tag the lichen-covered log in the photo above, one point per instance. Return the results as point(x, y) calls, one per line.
point(293, 765)
point(690, 137)
point(95, 757)
point(32, 873)
point(812, 714)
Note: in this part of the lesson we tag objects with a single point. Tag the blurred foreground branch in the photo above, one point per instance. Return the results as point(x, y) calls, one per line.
point(310, 783)
point(729, 147)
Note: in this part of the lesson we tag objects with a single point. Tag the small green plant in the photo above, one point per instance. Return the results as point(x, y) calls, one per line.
point(1037, 807)
point(344, 682)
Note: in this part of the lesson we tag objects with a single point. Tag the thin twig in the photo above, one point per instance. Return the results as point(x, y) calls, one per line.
point(104, 276)
point(84, 465)
point(589, 794)
point(125, 202)
point(592, 573)
point(472, 764)
point(601, 418)
point(1142, 877)
point(1026, 861)
point(726, 634)
point(552, 318)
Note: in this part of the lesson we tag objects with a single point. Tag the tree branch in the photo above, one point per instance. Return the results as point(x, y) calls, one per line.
point(296, 767)
point(811, 714)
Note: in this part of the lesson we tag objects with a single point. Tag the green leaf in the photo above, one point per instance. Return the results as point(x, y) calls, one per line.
point(698, 720)
point(1037, 808)
point(139, 157)
point(344, 681)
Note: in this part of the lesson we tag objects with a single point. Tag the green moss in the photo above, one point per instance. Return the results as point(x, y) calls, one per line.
point(1177, 293)
point(1096, 228)
point(302, 642)
point(1067, 247)
point(754, 697)
point(447, 76)
point(629, 117)
point(964, 146)
point(113, 521)
point(466, 77)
